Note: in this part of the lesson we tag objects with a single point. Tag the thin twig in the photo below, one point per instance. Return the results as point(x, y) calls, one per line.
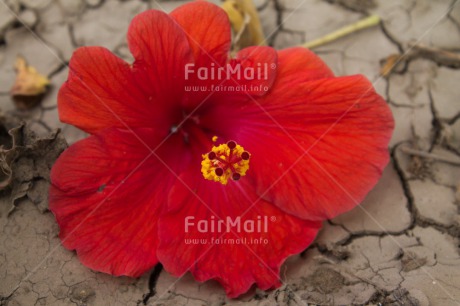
point(448, 160)
point(368, 22)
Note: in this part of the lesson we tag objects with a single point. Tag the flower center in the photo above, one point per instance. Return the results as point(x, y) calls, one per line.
point(225, 161)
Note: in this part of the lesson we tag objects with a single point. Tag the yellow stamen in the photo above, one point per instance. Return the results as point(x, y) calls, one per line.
point(224, 162)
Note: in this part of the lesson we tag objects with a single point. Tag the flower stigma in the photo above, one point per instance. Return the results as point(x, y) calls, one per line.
point(225, 161)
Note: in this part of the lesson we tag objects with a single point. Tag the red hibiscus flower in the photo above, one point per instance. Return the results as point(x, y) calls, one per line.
point(295, 145)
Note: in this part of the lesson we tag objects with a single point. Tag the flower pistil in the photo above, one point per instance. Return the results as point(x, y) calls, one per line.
point(225, 161)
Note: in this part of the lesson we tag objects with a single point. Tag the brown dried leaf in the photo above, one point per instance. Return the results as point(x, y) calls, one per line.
point(442, 57)
point(389, 64)
point(26, 161)
point(8, 132)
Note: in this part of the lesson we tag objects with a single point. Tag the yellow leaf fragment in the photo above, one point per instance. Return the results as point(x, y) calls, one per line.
point(30, 85)
point(245, 21)
point(28, 81)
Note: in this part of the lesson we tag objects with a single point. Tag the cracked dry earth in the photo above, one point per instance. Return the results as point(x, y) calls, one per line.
point(400, 247)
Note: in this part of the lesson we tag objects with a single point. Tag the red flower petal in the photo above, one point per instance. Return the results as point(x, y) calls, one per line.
point(101, 93)
point(104, 91)
point(161, 51)
point(293, 66)
point(236, 266)
point(297, 65)
point(343, 128)
point(210, 40)
point(107, 203)
point(207, 29)
point(256, 71)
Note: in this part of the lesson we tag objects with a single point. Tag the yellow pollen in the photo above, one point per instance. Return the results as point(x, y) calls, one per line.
point(224, 162)
point(214, 138)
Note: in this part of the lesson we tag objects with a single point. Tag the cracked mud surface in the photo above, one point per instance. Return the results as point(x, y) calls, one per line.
point(400, 247)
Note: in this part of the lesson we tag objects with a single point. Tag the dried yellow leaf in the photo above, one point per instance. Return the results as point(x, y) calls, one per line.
point(30, 85)
point(245, 21)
